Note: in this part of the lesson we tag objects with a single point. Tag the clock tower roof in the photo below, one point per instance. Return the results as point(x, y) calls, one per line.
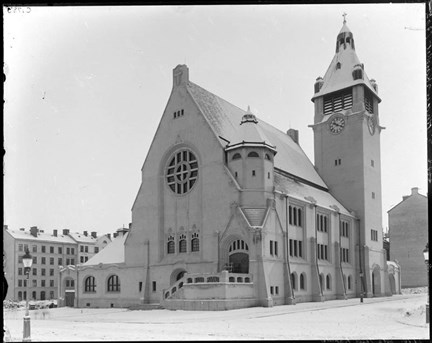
point(345, 69)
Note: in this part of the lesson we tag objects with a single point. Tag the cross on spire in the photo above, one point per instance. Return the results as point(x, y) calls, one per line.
point(344, 15)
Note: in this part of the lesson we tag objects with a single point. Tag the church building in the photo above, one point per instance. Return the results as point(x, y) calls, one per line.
point(231, 212)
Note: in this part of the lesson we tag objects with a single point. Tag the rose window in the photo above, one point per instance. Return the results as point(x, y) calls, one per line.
point(182, 171)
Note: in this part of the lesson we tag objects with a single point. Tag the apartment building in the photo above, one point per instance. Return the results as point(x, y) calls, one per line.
point(49, 251)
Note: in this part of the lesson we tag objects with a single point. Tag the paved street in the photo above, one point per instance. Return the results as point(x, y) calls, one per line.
point(397, 317)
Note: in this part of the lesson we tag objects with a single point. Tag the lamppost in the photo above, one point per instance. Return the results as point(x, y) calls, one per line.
point(27, 261)
point(426, 257)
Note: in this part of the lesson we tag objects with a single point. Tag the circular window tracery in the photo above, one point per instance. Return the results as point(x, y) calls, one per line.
point(182, 171)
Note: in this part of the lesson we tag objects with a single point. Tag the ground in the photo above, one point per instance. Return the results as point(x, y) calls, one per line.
point(396, 317)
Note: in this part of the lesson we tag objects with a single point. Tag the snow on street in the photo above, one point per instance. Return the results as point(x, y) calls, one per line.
point(396, 317)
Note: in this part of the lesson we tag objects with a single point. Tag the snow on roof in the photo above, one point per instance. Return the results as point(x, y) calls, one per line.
point(340, 78)
point(299, 190)
point(81, 238)
point(113, 253)
point(225, 119)
point(41, 236)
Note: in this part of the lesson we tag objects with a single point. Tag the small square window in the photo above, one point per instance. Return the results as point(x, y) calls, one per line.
point(372, 163)
point(253, 172)
point(373, 195)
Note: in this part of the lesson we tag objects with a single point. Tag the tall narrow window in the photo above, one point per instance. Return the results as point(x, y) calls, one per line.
point(302, 281)
point(195, 242)
point(182, 244)
point(170, 245)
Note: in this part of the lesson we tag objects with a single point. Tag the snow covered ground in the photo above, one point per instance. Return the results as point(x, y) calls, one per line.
point(396, 317)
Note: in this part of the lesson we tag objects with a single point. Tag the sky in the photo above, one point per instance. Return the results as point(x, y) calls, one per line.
point(86, 87)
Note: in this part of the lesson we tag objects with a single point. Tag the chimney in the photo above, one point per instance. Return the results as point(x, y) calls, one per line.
point(130, 226)
point(180, 75)
point(65, 232)
point(55, 233)
point(109, 235)
point(115, 234)
point(85, 233)
point(404, 197)
point(414, 190)
point(94, 234)
point(34, 231)
point(5, 227)
point(22, 229)
point(294, 134)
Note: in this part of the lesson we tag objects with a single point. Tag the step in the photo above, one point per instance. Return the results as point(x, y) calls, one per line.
point(146, 307)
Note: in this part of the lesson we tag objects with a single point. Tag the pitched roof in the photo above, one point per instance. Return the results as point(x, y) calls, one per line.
point(225, 118)
point(254, 216)
point(340, 78)
point(300, 191)
point(41, 237)
point(114, 252)
point(81, 238)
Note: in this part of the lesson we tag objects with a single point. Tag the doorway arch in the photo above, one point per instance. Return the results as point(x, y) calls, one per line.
point(376, 281)
point(238, 257)
point(392, 284)
point(176, 275)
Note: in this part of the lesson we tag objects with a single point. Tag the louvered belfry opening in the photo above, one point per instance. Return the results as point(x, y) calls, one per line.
point(339, 101)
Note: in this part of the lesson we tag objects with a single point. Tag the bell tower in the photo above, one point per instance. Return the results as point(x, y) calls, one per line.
point(347, 150)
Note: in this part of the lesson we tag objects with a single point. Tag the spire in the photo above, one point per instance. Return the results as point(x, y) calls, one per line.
point(345, 69)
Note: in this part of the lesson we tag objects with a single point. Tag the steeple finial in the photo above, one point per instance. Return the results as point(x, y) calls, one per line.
point(344, 15)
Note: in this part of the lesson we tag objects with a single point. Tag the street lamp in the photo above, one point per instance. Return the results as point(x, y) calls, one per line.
point(426, 257)
point(27, 260)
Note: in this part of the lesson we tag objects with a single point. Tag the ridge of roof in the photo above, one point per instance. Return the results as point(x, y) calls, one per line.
point(225, 119)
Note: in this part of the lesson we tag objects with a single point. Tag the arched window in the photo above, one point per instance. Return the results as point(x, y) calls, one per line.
point(349, 282)
point(182, 244)
point(328, 281)
point(90, 284)
point(302, 281)
point(195, 242)
point(170, 245)
point(293, 281)
point(253, 154)
point(238, 245)
point(113, 284)
point(236, 156)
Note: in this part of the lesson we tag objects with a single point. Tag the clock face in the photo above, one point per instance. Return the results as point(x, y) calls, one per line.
point(337, 124)
point(371, 125)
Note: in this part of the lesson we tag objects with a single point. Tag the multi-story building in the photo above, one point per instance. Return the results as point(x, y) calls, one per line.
point(408, 235)
point(88, 245)
point(49, 251)
point(231, 212)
